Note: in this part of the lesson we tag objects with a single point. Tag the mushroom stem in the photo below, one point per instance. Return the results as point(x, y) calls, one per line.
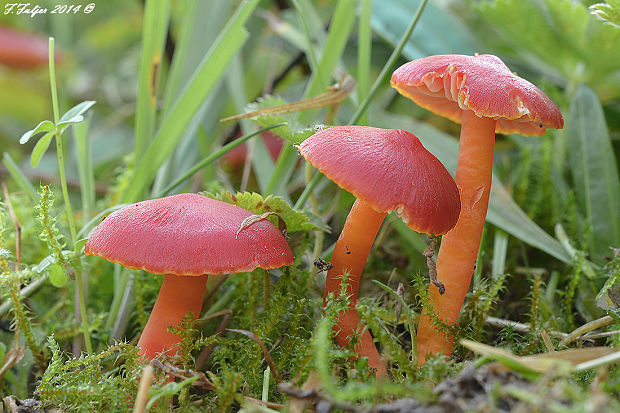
point(350, 254)
point(177, 296)
point(459, 247)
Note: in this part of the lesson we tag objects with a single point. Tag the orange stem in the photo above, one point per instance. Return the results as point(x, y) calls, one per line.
point(459, 247)
point(177, 296)
point(350, 254)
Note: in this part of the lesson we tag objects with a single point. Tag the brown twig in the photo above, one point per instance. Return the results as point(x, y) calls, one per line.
point(400, 290)
point(205, 352)
point(178, 373)
point(315, 397)
point(268, 358)
point(213, 290)
point(429, 253)
point(519, 327)
point(263, 403)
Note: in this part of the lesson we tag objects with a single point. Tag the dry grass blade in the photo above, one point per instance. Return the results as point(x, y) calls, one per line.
point(547, 340)
point(336, 94)
point(143, 391)
point(268, 358)
point(586, 328)
point(11, 358)
point(309, 394)
point(264, 403)
point(564, 360)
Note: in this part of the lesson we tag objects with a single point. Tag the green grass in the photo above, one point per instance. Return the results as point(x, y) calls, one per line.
point(549, 262)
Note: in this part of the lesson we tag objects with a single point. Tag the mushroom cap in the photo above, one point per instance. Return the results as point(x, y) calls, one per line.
point(188, 234)
point(448, 84)
point(390, 170)
point(23, 50)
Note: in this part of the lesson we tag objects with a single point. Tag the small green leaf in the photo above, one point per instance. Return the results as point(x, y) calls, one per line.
point(74, 114)
point(58, 277)
point(295, 220)
point(49, 260)
point(45, 126)
point(40, 148)
point(609, 12)
point(169, 390)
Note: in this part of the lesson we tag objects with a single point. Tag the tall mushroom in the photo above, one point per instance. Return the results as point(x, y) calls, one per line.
point(387, 170)
point(482, 94)
point(186, 237)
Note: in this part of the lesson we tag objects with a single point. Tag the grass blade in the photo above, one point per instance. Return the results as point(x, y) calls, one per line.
point(500, 248)
point(191, 99)
point(18, 176)
point(594, 171)
point(363, 55)
point(340, 29)
point(156, 16)
point(361, 109)
point(85, 166)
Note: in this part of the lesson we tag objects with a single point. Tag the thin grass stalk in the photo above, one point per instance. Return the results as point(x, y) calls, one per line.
point(388, 65)
point(363, 55)
point(65, 194)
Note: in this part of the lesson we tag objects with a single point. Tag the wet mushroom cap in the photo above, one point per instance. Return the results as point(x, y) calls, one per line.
point(448, 84)
point(188, 234)
point(390, 170)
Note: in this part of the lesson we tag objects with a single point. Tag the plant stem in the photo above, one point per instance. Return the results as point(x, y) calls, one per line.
point(308, 190)
point(388, 65)
point(65, 194)
point(215, 155)
point(363, 54)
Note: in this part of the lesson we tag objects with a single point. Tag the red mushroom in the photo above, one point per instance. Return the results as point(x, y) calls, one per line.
point(387, 170)
point(22, 50)
point(236, 156)
point(482, 94)
point(186, 237)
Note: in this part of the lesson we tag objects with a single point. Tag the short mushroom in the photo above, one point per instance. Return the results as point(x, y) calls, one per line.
point(186, 237)
point(387, 170)
point(482, 94)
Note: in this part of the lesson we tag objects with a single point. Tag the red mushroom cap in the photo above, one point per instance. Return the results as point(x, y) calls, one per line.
point(22, 50)
point(448, 84)
point(390, 170)
point(188, 234)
